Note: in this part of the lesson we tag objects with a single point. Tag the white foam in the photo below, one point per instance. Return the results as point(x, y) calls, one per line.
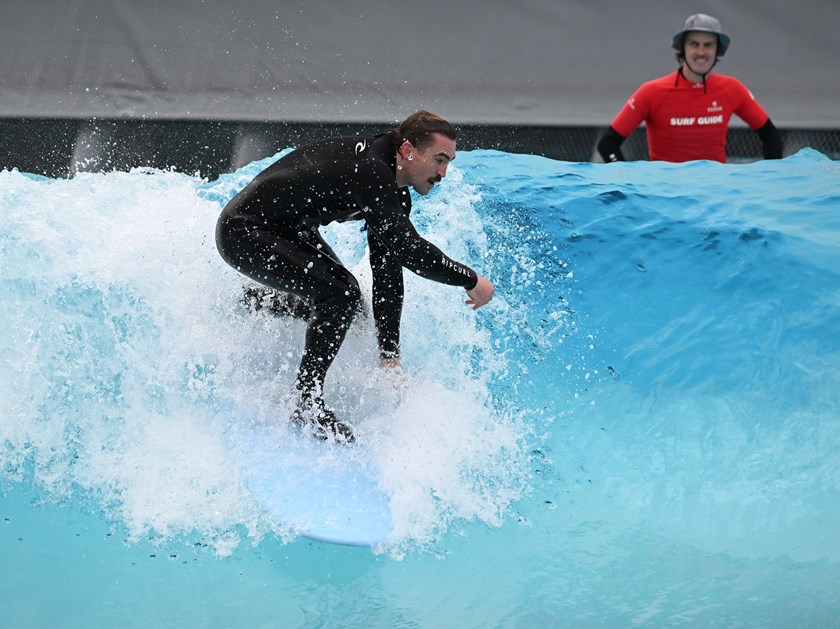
point(132, 356)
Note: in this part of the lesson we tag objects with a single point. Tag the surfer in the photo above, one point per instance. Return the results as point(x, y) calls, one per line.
point(269, 232)
point(686, 113)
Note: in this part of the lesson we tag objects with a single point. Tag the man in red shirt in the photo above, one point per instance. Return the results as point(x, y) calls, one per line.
point(687, 113)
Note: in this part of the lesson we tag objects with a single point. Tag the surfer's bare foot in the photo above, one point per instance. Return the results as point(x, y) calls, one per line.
point(322, 422)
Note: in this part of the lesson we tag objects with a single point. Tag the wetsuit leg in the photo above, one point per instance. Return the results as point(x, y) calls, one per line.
point(299, 262)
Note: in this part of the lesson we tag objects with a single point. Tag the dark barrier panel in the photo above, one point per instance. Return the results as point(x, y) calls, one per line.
point(62, 147)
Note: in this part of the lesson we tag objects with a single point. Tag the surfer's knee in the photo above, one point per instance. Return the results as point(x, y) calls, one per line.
point(337, 309)
point(343, 301)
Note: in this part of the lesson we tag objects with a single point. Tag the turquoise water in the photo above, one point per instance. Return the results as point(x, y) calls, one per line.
point(641, 430)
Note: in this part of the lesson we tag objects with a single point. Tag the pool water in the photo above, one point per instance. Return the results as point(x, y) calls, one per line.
point(641, 430)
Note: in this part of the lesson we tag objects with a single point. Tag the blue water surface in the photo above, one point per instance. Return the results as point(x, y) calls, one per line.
point(641, 430)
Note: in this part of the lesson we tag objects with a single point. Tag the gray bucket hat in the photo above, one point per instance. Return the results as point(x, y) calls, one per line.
point(705, 23)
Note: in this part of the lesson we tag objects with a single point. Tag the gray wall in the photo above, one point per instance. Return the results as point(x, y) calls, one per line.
point(516, 62)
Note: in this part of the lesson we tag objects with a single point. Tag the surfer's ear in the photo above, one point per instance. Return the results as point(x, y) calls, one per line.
point(406, 149)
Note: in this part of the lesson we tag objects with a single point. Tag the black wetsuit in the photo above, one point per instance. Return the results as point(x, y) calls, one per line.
point(269, 232)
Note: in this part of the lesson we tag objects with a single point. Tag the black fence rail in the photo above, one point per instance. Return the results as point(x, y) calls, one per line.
point(63, 147)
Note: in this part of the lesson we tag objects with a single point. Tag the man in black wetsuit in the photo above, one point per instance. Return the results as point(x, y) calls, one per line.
point(269, 232)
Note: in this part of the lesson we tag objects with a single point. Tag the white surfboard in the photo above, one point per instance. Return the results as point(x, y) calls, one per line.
point(319, 489)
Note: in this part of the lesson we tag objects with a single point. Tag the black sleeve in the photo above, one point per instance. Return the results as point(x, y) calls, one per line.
point(387, 221)
point(387, 296)
point(609, 146)
point(771, 140)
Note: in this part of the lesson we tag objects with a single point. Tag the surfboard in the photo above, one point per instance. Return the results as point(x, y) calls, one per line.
point(320, 490)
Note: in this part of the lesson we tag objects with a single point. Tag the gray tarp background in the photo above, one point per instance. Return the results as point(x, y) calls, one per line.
point(539, 62)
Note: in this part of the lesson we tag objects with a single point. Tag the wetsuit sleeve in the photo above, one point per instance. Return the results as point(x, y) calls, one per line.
point(387, 222)
point(771, 140)
point(387, 296)
point(609, 146)
point(418, 254)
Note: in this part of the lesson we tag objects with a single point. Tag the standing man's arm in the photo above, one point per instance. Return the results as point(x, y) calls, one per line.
point(771, 140)
point(609, 146)
point(751, 112)
point(633, 113)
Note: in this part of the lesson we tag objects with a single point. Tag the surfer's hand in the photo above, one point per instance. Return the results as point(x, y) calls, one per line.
point(391, 364)
point(392, 378)
point(481, 294)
